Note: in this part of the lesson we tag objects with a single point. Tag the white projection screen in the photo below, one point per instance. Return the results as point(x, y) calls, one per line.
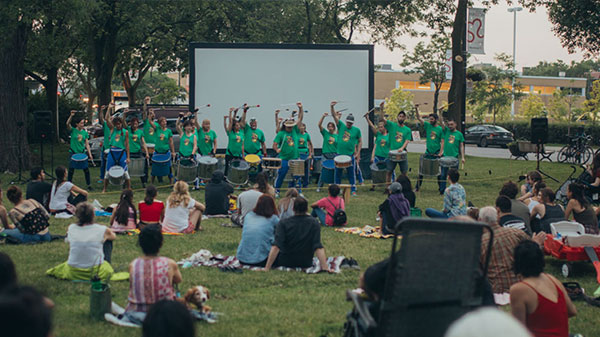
point(275, 76)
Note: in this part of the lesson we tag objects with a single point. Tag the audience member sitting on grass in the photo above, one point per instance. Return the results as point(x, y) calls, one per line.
point(216, 195)
point(325, 208)
point(61, 197)
point(151, 280)
point(455, 199)
point(594, 171)
point(536, 197)
point(38, 189)
point(407, 190)
point(258, 232)
point(24, 312)
point(548, 210)
point(286, 204)
point(506, 218)
point(183, 214)
point(29, 217)
point(246, 201)
point(540, 301)
point(500, 270)
point(297, 239)
point(517, 208)
point(581, 209)
point(533, 177)
point(168, 319)
point(3, 213)
point(124, 216)
point(8, 272)
point(151, 211)
point(393, 209)
point(90, 248)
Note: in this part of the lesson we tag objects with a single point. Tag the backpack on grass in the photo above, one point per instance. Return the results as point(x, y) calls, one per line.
point(339, 215)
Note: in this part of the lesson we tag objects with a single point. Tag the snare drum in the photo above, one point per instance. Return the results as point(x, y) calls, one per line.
point(116, 175)
point(271, 163)
point(79, 161)
point(150, 147)
point(238, 172)
point(206, 166)
point(187, 170)
point(398, 156)
point(429, 166)
point(296, 167)
point(136, 166)
point(342, 161)
point(449, 162)
point(161, 164)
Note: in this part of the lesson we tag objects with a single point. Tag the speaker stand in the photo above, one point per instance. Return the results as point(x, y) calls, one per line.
point(19, 179)
point(537, 151)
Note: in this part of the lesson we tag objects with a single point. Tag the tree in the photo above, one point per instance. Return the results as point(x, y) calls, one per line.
point(591, 106)
point(400, 100)
point(532, 107)
point(161, 88)
point(576, 24)
point(430, 61)
point(494, 93)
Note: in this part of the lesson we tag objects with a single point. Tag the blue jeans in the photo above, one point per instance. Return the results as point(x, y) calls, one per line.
point(281, 175)
point(443, 177)
point(320, 214)
point(434, 213)
point(351, 170)
point(24, 238)
point(306, 178)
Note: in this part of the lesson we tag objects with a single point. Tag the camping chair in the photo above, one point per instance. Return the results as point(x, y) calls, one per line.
point(433, 280)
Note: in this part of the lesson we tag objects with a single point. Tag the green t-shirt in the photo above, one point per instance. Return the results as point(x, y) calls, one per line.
point(236, 140)
point(106, 143)
point(288, 143)
point(253, 140)
point(186, 144)
point(452, 141)
point(434, 137)
point(398, 134)
point(161, 144)
point(382, 144)
point(347, 139)
point(205, 141)
point(78, 139)
point(303, 140)
point(329, 142)
point(150, 133)
point(135, 140)
point(117, 138)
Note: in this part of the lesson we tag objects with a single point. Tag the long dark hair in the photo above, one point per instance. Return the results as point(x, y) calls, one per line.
point(122, 211)
point(265, 206)
point(61, 173)
point(151, 193)
point(577, 194)
point(262, 181)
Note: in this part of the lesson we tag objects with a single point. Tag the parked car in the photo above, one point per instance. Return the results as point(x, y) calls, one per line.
point(484, 135)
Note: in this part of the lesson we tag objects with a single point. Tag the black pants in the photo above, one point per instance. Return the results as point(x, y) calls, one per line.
point(76, 200)
point(107, 248)
point(86, 172)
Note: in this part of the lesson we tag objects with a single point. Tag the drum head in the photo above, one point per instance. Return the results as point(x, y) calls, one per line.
point(252, 159)
point(116, 172)
point(150, 145)
point(240, 164)
point(161, 157)
point(207, 160)
point(79, 157)
point(329, 164)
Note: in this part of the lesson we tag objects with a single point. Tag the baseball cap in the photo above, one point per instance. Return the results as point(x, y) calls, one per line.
point(350, 118)
point(253, 119)
point(395, 187)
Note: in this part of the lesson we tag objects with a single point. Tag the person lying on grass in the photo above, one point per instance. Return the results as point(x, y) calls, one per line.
point(152, 278)
point(297, 239)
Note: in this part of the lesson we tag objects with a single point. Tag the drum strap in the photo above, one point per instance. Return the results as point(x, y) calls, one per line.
point(336, 208)
point(115, 159)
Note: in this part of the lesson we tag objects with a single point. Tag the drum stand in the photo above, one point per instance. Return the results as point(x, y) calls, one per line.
point(537, 150)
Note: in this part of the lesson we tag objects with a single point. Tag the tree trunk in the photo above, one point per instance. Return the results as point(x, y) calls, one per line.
point(14, 148)
point(105, 59)
point(436, 95)
point(51, 99)
point(457, 91)
point(129, 89)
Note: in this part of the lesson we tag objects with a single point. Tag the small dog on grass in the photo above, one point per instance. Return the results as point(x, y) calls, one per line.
point(195, 298)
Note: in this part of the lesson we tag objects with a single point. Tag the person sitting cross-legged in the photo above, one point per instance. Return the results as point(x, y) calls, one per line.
point(30, 218)
point(455, 199)
point(182, 214)
point(258, 232)
point(297, 239)
point(506, 218)
point(393, 209)
point(325, 208)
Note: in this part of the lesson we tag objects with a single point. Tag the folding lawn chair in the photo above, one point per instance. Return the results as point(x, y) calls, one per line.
point(433, 280)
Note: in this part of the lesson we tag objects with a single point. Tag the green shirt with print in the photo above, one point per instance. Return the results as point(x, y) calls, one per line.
point(205, 141)
point(434, 136)
point(117, 138)
point(452, 141)
point(329, 142)
point(135, 140)
point(398, 134)
point(186, 144)
point(347, 139)
point(236, 141)
point(150, 133)
point(78, 139)
point(382, 144)
point(303, 140)
point(106, 130)
point(288, 143)
point(253, 140)
point(161, 144)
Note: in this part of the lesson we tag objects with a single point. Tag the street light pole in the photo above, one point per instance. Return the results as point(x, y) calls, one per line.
point(514, 10)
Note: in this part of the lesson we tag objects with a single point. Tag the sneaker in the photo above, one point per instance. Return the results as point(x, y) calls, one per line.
point(115, 320)
point(116, 309)
point(301, 194)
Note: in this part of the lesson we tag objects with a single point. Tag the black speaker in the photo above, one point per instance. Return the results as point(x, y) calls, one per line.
point(539, 130)
point(42, 121)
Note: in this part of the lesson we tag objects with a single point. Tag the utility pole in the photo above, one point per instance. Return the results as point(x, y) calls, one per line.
point(514, 10)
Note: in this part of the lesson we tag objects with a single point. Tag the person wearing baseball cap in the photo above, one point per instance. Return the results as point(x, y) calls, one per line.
point(349, 144)
point(254, 138)
point(393, 209)
point(286, 146)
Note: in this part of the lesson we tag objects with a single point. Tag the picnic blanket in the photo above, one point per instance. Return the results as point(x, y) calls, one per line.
point(366, 232)
point(205, 258)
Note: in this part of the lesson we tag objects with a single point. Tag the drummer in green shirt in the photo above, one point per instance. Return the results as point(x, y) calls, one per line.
point(454, 145)
point(119, 149)
point(254, 138)
point(306, 152)
point(206, 138)
point(188, 144)
point(235, 135)
point(102, 118)
point(79, 144)
point(137, 143)
point(381, 141)
point(286, 146)
point(163, 143)
point(149, 131)
point(349, 144)
point(434, 139)
point(400, 136)
point(329, 147)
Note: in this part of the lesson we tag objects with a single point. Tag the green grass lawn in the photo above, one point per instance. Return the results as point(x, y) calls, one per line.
point(273, 303)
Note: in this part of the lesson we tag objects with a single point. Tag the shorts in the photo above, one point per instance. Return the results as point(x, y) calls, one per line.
point(391, 165)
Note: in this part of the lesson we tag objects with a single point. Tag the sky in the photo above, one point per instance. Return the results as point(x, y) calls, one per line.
point(535, 40)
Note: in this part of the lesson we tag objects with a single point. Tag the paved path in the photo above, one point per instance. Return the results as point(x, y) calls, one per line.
point(486, 152)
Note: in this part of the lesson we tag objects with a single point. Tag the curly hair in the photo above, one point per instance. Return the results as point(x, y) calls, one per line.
point(180, 195)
